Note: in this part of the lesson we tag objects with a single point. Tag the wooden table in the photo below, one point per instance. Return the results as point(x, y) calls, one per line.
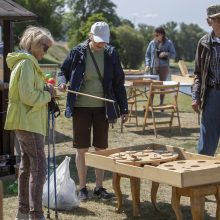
point(195, 183)
point(197, 197)
point(197, 200)
point(135, 192)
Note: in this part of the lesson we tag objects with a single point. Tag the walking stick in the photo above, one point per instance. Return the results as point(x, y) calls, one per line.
point(53, 112)
point(48, 168)
point(54, 162)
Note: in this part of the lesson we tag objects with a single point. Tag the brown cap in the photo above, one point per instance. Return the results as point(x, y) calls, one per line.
point(213, 11)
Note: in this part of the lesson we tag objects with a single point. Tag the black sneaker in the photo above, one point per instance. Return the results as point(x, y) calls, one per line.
point(102, 193)
point(83, 194)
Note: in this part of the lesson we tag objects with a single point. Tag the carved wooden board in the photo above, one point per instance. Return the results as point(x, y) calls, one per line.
point(147, 156)
point(189, 165)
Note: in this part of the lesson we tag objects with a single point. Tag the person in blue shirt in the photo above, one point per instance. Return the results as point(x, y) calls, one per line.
point(158, 54)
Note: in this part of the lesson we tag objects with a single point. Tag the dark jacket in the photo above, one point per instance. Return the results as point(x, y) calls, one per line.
point(202, 61)
point(73, 68)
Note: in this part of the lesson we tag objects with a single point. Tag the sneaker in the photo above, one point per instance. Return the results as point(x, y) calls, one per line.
point(83, 194)
point(102, 193)
point(22, 216)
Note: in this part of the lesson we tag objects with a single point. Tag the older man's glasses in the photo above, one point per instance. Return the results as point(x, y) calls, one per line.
point(45, 47)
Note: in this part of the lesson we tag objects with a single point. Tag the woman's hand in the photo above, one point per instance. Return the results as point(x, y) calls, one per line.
point(164, 55)
point(51, 90)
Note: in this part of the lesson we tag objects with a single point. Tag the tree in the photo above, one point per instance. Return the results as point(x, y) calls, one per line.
point(147, 32)
point(131, 49)
point(49, 14)
point(171, 29)
point(83, 9)
point(188, 38)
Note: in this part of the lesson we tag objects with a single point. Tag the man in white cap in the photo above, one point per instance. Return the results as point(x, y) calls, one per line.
point(93, 67)
point(206, 89)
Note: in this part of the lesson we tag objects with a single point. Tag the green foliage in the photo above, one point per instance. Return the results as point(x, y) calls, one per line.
point(83, 32)
point(131, 54)
point(13, 188)
point(74, 25)
point(83, 9)
point(188, 38)
point(147, 32)
point(49, 16)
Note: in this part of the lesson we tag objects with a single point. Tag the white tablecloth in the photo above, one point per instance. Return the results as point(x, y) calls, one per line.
point(144, 76)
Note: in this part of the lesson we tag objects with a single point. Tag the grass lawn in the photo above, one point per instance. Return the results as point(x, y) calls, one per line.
point(132, 135)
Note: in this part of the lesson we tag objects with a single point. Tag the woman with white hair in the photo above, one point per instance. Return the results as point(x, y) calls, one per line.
point(27, 116)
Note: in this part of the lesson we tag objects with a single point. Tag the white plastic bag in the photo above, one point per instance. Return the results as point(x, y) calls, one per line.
point(66, 188)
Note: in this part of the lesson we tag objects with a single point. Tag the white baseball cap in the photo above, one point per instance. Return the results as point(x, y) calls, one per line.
point(100, 31)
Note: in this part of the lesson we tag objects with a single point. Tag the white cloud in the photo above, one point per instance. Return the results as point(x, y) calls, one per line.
point(151, 15)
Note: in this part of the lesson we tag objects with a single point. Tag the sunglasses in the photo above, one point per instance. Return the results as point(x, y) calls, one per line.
point(45, 47)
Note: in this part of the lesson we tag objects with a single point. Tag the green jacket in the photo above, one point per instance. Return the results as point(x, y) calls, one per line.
point(27, 106)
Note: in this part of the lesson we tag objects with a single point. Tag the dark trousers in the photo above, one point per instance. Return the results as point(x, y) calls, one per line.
point(210, 123)
point(32, 173)
point(163, 72)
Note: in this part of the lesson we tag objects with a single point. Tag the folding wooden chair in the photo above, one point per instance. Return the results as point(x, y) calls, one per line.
point(169, 109)
point(138, 87)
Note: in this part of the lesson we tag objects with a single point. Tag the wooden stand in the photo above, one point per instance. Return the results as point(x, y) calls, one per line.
point(197, 197)
point(197, 200)
point(190, 175)
point(1, 200)
point(135, 192)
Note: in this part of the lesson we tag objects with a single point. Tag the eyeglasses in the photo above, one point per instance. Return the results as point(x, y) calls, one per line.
point(45, 47)
point(156, 35)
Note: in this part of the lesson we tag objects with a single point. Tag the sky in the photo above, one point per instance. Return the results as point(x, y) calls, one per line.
point(158, 12)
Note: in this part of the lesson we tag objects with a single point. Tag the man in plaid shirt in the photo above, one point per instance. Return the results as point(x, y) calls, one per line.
point(206, 89)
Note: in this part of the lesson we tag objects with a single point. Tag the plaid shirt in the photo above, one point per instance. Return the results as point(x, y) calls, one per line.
point(214, 76)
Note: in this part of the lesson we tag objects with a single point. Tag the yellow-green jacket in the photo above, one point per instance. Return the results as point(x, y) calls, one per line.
point(27, 107)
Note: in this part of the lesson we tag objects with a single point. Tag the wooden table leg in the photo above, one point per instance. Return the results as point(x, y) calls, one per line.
point(217, 196)
point(116, 186)
point(175, 202)
point(154, 189)
point(135, 192)
point(1, 200)
point(197, 206)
